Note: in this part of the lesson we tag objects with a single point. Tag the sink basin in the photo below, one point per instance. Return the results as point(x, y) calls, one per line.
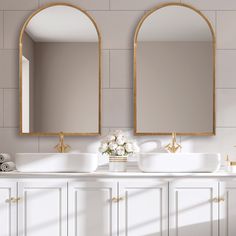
point(56, 162)
point(179, 162)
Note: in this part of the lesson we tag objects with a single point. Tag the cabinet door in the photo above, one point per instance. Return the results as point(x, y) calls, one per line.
point(8, 208)
point(228, 208)
point(143, 208)
point(192, 208)
point(91, 210)
point(42, 209)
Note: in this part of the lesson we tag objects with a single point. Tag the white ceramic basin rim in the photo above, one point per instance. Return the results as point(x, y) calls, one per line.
point(179, 162)
point(56, 162)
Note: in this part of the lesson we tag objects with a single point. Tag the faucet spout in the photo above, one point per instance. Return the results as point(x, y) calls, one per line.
point(61, 146)
point(173, 146)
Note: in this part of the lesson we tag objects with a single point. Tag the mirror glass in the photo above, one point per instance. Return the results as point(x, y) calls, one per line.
point(60, 73)
point(174, 72)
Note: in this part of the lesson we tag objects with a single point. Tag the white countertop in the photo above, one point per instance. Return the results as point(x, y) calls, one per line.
point(104, 173)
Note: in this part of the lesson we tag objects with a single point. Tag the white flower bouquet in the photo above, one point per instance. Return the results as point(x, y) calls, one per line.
point(116, 144)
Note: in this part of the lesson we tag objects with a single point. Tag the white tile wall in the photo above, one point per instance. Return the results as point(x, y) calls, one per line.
point(135, 4)
point(9, 68)
point(105, 69)
point(117, 108)
point(11, 108)
point(226, 69)
point(13, 21)
point(85, 4)
point(226, 30)
point(121, 68)
point(18, 5)
point(117, 27)
point(1, 108)
point(117, 20)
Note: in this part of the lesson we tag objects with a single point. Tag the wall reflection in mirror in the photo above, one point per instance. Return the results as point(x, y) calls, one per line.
point(60, 72)
point(174, 72)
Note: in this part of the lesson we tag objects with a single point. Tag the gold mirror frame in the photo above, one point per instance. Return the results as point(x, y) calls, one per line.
point(135, 69)
point(20, 73)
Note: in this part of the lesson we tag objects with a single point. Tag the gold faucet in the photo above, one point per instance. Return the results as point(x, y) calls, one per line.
point(173, 146)
point(61, 146)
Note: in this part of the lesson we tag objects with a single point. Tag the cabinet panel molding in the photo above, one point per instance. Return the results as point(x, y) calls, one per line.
point(193, 209)
point(8, 208)
point(143, 208)
point(42, 208)
point(228, 208)
point(91, 210)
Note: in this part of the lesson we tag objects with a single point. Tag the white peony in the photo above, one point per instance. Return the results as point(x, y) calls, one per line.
point(120, 151)
point(110, 138)
point(103, 147)
point(120, 140)
point(129, 147)
point(113, 145)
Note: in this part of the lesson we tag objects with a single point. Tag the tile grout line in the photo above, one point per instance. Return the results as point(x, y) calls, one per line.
point(232, 88)
point(118, 88)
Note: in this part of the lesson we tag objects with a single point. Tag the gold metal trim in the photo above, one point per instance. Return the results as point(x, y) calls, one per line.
point(20, 74)
point(135, 71)
point(232, 163)
point(117, 159)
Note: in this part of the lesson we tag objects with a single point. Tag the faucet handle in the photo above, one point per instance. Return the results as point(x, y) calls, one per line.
point(173, 146)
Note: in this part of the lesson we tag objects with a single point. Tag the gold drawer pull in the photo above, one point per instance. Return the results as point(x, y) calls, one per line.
point(217, 200)
point(13, 200)
point(18, 199)
point(115, 199)
point(221, 199)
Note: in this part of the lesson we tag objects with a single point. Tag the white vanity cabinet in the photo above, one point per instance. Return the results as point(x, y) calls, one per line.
point(112, 208)
point(8, 208)
point(42, 208)
point(143, 208)
point(228, 208)
point(123, 205)
point(193, 207)
point(91, 210)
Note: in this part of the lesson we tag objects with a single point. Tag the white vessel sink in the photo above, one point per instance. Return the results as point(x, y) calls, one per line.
point(56, 162)
point(179, 162)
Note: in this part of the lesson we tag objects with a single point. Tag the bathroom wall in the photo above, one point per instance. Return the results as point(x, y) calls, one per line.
point(117, 20)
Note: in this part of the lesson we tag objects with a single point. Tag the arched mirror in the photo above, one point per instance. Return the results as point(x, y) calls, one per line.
point(60, 72)
point(174, 72)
